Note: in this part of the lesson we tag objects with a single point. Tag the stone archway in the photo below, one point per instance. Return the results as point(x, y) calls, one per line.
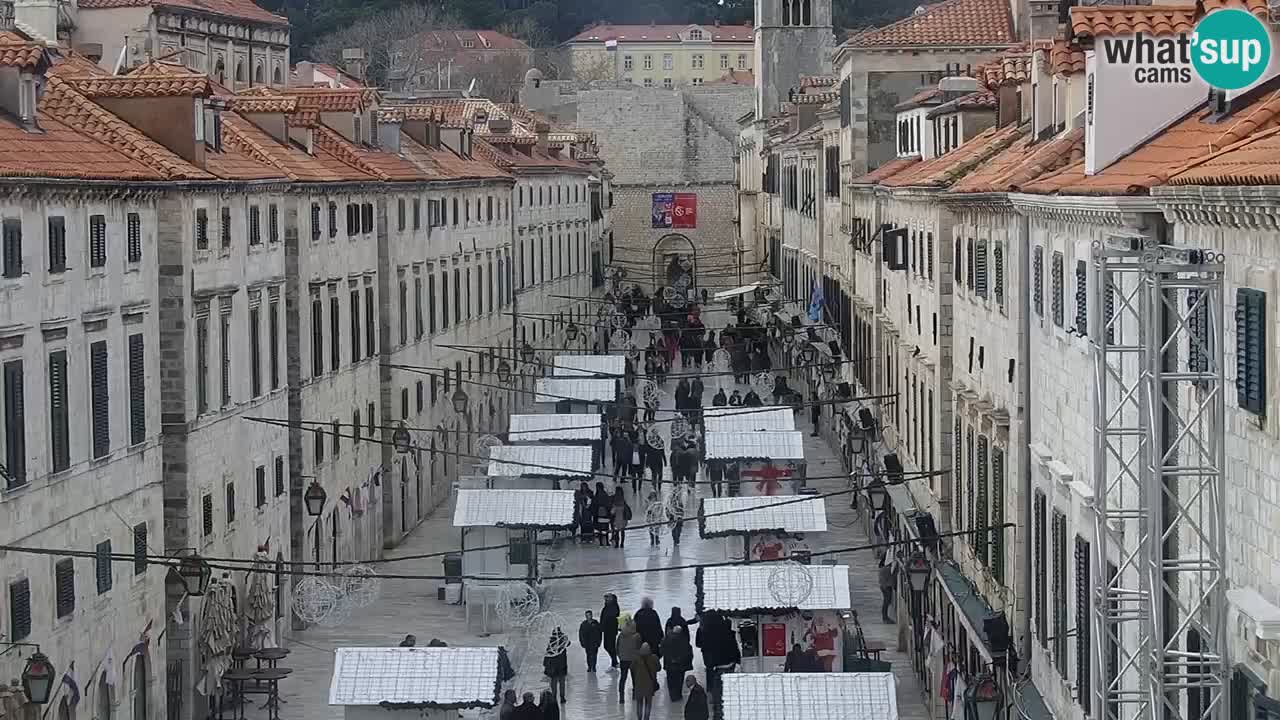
point(675, 263)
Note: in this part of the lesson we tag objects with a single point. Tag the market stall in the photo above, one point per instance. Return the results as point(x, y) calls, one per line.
point(749, 419)
point(777, 606)
point(590, 366)
point(769, 462)
point(393, 683)
point(809, 696)
point(532, 466)
point(759, 528)
point(573, 429)
point(576, 394)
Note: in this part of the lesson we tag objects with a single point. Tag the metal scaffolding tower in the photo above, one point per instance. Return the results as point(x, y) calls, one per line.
point(1158, 573)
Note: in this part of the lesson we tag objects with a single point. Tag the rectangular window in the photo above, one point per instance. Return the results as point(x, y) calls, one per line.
point(404, 313)
point(11, 230)
point(64, 588)
point(431, 298)
point(139, 548)
point(1082, 298)
point(259, 486)
point(102, 566)
point(99, 399)
point(370, 328)
point(372, 421)
point(366, 218)
point(255, 225)
point(133, 226)
point(231, 502)
point(1037, 280)
point(970, 267)
point(59, 419)
point(315, 222)
point(667, 61)
point(401, 214)
point(273, 223)
point(355, 325)
point(997, 514)
point(202, 362)
point(997, 263)
point(1060, 629)
point(273, 337)
point(255, 351)
point(1251, 350)
point(420, 397)
point(1040, 540)
point(19, 610)
point(980, 270)
point(957, 476)
point(957, 265)
point(417, 308)
point(57, 244)
point(97, 241)
point(444, 299)
point(335, 433)
point(1056, 281)
point(224, 350)
point(317, 336)
point(981, 538)
point(648, 62)
point(224, 227)
point(202, 229)
point(137, 389)
point(335, 331)
point(15, 433)
point(333, 219)
point(1084, 613)
point(353, 220)
point(417, 213)
point(457, 296)
point(206, 515)
point(279, 476)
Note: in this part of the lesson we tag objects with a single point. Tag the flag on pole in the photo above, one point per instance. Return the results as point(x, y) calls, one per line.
point(73, 687)
point(140, 647)
point(109, 668)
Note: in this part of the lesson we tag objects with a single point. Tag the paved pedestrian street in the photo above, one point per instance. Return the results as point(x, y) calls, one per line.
point(410, 606)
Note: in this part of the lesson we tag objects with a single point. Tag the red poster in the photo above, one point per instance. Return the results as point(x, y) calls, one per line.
point(775, 639)
point(684, 211)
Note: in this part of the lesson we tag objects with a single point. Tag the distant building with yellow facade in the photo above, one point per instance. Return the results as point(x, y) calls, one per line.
point(661, 55)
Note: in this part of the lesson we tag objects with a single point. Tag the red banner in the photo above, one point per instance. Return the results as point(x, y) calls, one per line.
point(775, 639)
point(684, 210)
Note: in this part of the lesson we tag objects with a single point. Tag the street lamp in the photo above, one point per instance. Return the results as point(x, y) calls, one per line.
point(194, 574)
point(985, 698)
point(460, 401)
point(829, 370)
point(918, 571)
point(504, 371)
point(571, 332)
point(37, 678)
point(878, 495)
point(401, 440)
point(807, 353)
point(314, 499)
point(526, 352)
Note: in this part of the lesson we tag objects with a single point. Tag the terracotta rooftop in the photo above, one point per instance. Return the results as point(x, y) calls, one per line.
point(662, 33)
point(1194, 136)
point(887, 170)
point(238, 9)
point(153, 79)
point(331, 99)
point(981, 100)
point(477, 40)
point(290, 159)
point(282, 104)
point(1022, 162)
point(1158, 20)
point(59, 151)
point(950, 23)
point(1252, 161)
point(17, 51)
point(1066, 58)
point(1009, 67)
point(942, 171)
point(927, 96)
point(818, 81)
point(735, 77)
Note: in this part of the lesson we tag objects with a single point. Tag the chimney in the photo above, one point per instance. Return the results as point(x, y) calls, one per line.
point(305, 74)
point(37, 19)
point(1008, 105)
point(957, 87)
point(542, 130)
point(353, 62)
point(389, 131)
point(1045, 18)
point(20, 93)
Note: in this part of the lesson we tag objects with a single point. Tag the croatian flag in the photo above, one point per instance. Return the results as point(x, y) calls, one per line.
point(73, 687)
point(144, 642)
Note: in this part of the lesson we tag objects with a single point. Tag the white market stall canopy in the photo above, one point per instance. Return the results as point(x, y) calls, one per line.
point(540, 461)
point(591, 366)
point(440, 677)
point(810, 696)
point(762, 513)
point(582, 389)
point(743, 419)
point(726, 294)
point(535, 428)
point(783, 446)
point(544, 509)
point(739, 588)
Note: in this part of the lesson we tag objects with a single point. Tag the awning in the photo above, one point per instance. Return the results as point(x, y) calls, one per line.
point(540, 461)
point(809, 696)
point(514, 508)
point(901, 498)
point(435, 677)
point(749, 419)
point(739, 589)
point(597, 366)
point(581, 389)
point(764, 446)
point(536, 428)
point(762, 513)
point(725, 294)
point(973, 609)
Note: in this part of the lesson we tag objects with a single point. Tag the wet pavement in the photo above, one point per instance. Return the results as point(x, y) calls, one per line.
point(410, 606)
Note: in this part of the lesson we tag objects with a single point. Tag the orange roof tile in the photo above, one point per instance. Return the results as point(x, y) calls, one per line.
point(65, 103)
point(980, 100)
point(236, 163)
point(943, 170)
point(1195, 136)
point(58, 151)
point(1252, 161)
point(262, 104)
point(887, 170)
point(1066, 58)
point(72, 64)
point(17, 51)
point(293, 161)
point(928, 96)
point(661, 33)
point(304, 119)
point(1009, 67)
point(808, 81)
point(951, 23)
point(735, 77)
point(239, 9)
point(1022, 162)
point(142, 85)
point(1158, 20)
point(334, 99)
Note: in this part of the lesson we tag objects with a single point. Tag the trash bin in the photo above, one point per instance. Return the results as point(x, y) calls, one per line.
point(452, 568)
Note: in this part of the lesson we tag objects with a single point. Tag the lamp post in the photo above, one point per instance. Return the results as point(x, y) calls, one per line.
point(193, 573)
point(571, 332)
point(37, 678)
point(985, 698)
point(460, 401)
point(918, 570)
point(878, 495)
point(314, 499)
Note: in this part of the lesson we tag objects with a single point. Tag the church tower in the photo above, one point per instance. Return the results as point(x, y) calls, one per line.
point(793, 38)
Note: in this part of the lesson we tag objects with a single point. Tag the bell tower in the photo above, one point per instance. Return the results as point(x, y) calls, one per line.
point(793, 38)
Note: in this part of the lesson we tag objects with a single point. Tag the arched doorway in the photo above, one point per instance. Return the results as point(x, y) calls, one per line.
point(675, 262)
point(104, 699)
point(140, 688)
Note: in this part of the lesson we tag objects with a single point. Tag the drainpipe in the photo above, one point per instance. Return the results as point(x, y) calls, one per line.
point(1024, 427)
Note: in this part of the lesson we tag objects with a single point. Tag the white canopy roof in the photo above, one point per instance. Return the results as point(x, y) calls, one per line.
point(533, 428)
point(752, 513)
point(523, 508)
point(723, 294)
point(749, 419)
point(781, 445)
point(810, 696)
point(746, 587)
point(448, 676)
point(540, 461)
point(583, 389)
point(589, 365)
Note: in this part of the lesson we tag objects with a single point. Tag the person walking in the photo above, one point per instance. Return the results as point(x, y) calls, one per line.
point(589, 637)
point(655, 530)
point(609, 627)
point(508, 709)
point(629, 643)
point(815, 412)
point(677, 658)
point(528, 709)
point(649, 625)
point(696, 707)
point(556, 667)
point(644, 680)
point(550, 710)
point(675, 513)
point(657, 462)
point(709, 347)
point(622, 449)
point(679, 620)
point(602, 510)
point(715, 473)
point(621, 513)
point(888, 579)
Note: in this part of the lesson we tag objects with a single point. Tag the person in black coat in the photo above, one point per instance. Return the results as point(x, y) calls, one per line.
point(715, 473)
point(556, 667)
point(720, 400)
point(678, 619)
point(589, 637)
point(609, 627)
point(657, 462)
point(649, 625)
point(528, 709)
point(622, 450)
point(696, 707)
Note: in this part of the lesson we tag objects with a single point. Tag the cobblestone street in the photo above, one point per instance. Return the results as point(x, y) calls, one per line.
point(411, 606)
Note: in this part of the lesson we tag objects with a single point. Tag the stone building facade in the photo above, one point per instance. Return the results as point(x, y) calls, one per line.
point(660, 56)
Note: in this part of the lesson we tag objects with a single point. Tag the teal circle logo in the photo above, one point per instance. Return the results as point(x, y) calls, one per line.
point(1230, 49)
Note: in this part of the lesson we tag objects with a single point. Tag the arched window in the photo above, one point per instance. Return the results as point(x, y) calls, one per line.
point(259, 74)
point(276, 79)
point(104, 701)
point(795, 12)
point(804, 12)
point(220, 72)
point(786, 12)
point(240, 71)
point(140, 688)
